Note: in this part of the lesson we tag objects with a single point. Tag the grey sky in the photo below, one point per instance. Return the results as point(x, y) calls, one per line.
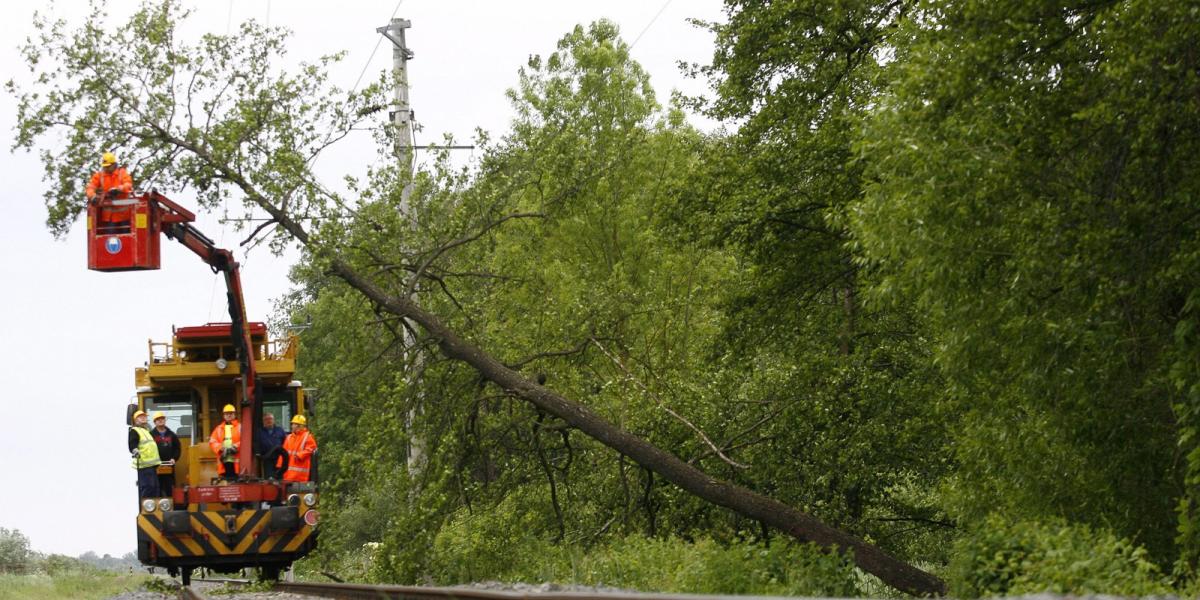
point(70, 338)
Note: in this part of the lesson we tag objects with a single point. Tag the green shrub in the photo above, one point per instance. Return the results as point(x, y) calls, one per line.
point(503, 545)
point(1002, 558)
point(15, 554)
point(58, 564)
point(707, 567)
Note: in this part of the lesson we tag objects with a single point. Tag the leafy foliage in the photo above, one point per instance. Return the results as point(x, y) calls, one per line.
point(999, 558)
point(15, 553)
point(464, 553)
point(1031, 186)
point(184, 116)
point(940, 277)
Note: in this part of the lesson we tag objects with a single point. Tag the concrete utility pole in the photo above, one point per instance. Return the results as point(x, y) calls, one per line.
point(402, 115)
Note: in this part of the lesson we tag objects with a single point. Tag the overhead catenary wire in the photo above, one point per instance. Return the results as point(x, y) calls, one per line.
point(374, 50)
point(648, 25)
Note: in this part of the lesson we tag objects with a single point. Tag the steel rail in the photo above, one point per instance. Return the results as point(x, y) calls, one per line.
point(187, 593)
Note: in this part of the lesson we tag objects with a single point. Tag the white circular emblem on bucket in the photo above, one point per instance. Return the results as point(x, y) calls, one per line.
point(113, 244)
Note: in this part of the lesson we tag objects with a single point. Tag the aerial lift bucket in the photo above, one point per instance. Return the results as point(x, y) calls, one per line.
point(123, 234)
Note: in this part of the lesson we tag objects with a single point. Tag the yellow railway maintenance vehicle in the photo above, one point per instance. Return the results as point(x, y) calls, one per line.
point(225, 525)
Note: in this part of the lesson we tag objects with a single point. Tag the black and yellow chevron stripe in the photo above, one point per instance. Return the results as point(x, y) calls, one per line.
point(209, 536)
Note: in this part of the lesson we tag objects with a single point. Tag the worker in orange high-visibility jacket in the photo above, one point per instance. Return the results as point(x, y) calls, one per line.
point(111, 182)
point(226, 442)
point(300, 446)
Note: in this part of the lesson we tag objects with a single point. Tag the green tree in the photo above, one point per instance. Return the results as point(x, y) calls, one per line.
point(1033, 177)
point(261, 127)
point(15, 554)
point(856, 378)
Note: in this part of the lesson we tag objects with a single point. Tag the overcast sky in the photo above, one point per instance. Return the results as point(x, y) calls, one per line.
point(70, 338)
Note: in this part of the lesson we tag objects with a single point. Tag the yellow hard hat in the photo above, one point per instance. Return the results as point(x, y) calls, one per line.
point(108, 158)
point(229, 408)
point(158, 415)
point(140, 413)
point(299, 420)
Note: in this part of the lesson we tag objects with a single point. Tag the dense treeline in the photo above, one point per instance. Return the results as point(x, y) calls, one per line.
point(937, 279)
point(934, 283)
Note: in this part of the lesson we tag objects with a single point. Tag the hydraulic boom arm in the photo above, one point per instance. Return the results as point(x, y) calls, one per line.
point(176, 222)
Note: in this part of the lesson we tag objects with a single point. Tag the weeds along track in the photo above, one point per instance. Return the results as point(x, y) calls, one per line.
point(357, 591)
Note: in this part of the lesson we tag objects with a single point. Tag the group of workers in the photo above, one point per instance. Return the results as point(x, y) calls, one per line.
point(284, 456)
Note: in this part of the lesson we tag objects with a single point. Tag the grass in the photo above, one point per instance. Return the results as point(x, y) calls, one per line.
point(76, 585)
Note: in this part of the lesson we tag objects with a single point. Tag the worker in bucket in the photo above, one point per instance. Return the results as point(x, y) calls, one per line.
point(111, 183)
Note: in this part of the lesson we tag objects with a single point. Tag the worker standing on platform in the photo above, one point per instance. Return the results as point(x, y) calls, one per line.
point(145, 456)
point(168, 453)
point(226, 443)
point(270, 443)
point(300, 446)
point(111, 182)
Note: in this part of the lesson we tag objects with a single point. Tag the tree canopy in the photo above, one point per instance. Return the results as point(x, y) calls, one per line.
point(928, 298)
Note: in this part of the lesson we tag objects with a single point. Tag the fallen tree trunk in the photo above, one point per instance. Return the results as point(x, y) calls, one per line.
point(798, 524)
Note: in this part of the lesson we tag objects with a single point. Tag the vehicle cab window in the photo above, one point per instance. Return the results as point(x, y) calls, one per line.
point(279, 403)
point(179, 410)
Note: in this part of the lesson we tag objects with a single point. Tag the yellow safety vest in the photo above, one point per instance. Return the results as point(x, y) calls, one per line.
point(147, 450)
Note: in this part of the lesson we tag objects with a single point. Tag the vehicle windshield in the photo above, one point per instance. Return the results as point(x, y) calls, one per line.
point(178, 410)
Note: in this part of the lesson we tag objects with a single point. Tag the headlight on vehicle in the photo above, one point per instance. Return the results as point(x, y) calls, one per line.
point(148, 505)
point(164, 504)
point(294, 500)
point(310, 499)
point(311, 517)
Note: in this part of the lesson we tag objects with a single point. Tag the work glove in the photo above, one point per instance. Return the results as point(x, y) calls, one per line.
point(113, 192)
point(133, 453)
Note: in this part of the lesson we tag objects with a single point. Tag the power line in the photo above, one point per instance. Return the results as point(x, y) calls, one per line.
point(650, 24)
point(373, 51)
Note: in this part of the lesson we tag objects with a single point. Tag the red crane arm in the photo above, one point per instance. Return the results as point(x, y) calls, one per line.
point(175, 221)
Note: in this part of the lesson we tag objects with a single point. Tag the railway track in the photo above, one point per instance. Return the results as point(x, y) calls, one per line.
point(187, 593)
point(359, 591)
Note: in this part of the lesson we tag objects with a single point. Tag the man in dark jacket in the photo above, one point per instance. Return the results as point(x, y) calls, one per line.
point(168, 452)
point(268, 441)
